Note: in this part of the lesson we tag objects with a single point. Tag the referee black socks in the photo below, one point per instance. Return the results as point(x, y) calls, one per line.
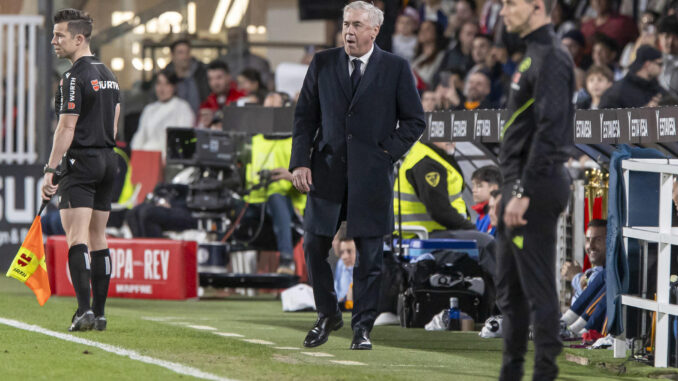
point(101, 276)
point(78, 265)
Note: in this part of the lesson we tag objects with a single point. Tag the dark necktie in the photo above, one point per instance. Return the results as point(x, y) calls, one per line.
point(356, 75)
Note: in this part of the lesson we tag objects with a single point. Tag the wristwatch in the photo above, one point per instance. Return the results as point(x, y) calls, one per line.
point(518, 190)
point(48, 169)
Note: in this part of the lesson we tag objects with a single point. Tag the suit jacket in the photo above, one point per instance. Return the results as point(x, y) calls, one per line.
point(351, 142)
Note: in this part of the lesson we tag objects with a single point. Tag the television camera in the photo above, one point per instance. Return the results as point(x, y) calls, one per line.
point(215, 197)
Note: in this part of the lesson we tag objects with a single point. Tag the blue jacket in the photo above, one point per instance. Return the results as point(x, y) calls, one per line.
point(644, 190)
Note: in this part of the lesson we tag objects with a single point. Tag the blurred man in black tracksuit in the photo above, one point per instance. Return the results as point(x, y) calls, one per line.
point(536, 190)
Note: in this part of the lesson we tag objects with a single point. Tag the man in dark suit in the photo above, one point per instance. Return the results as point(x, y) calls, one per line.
point(346, 139)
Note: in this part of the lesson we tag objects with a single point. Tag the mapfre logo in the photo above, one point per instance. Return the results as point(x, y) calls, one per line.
point(95, 84)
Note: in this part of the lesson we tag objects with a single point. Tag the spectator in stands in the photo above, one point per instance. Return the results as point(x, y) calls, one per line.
point(484, 181)
point(464, 11)
point(481, 48)
point(500, 68)
point(477, 90)
point(459, 57)
point(640, 86)
point(168, 111)
point(604, 53)
point(450, 89)
point(575, 43)
point(489, 17)
point(277, 99)
point(249, 82)
point(431, 10)
point(430, 52)
point(404, 41)
point(598, 79)
point(610, 23)
point(648, 36)
point(343, 273)
point(192, 86)
point(668, 39)
point(596, 234)
point(205, 116)
point(224, 89)
point(239, 56)
point(561, 17)
point(485, 57)
point(429, 100)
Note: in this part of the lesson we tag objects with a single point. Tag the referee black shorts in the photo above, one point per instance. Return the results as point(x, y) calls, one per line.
point(88, 182)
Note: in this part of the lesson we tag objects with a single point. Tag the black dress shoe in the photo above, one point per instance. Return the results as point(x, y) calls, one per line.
point(321, 331)
point(361, 340)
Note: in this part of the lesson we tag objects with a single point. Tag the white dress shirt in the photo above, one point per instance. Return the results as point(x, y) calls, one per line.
point(365, 59)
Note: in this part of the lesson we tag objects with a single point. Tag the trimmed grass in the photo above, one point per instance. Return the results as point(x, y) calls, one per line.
point(399, 354)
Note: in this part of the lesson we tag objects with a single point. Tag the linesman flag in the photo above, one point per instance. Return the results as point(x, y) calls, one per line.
point(29, 264)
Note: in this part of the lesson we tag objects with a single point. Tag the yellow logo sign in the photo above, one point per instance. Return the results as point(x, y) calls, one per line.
point(433, 178)
point(525, 64)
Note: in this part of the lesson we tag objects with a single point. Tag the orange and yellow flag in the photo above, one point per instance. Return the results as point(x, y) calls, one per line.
point(29, 264)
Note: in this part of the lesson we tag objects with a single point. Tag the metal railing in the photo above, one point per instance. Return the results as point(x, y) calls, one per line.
point(665, 236)
point(18, 88)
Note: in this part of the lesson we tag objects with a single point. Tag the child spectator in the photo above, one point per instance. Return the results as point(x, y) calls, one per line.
point(404, 39)
point(598, 79)
point(484, 180)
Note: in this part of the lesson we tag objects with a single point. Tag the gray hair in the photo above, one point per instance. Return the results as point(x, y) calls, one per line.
point(375, 14)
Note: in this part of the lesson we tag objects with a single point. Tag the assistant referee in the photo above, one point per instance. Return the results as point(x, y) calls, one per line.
point(88, 104)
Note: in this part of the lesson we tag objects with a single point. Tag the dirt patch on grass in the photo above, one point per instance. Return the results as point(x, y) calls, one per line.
point(285, 359)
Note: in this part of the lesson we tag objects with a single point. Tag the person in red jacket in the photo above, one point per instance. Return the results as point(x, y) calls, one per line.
point(224, 89)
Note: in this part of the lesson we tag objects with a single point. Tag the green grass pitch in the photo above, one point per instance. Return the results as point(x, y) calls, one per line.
point(399, 354)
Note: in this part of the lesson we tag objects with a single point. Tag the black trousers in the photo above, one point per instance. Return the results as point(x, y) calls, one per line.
point(526, 280)
point(366, 277)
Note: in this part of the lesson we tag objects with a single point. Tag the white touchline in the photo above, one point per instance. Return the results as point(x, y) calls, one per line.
point(175, 367)
point(202, 327)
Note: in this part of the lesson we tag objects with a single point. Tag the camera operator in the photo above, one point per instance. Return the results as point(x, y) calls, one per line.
point(270, 183)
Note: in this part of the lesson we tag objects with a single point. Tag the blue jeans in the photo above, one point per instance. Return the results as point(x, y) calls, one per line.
point(280, 209)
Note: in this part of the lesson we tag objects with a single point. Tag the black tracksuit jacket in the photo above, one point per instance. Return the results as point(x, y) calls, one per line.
point(538, 136)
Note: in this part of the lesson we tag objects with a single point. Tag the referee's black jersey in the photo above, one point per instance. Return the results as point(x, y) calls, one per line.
point(90, 90)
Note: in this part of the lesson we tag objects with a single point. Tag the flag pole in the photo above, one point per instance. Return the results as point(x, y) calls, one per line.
point(42, 207)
